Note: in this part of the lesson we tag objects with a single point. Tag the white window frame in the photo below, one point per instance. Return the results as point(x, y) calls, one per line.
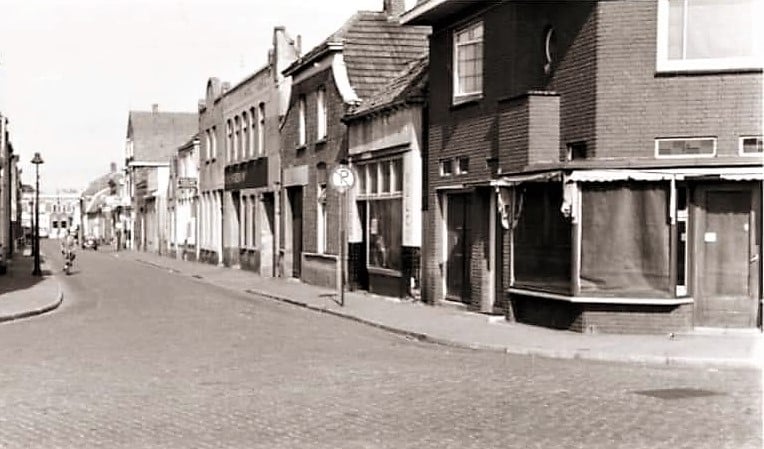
point(207, 145)
point(254, 136)
point(458, 96)
point(441, 167)
point(664, 64)
point(321, 114)
point(458, 167)
point(684, 156)
point(214, 142)
point(740, 146)
point(229, 139)
point(301, 131)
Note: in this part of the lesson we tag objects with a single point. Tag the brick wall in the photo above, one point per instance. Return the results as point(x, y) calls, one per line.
point(635, 104)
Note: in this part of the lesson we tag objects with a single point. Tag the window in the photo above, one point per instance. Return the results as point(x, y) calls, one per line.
point(685, 147)
point(320, 115)
point(245, 135)
point(229, 140)
point(321, 223)
point(708, 34)
point(468, 62)
point(397, 168)
point(214, 142)
point(301, 124)
point(207, 144)
point(254, 132)
point(385, 233)
point(462, 165)
point(261, 129)
point(751, 146)
point(682, 252)
point(576, 151)
point(446, 167)
point(373, 177)
point(237, 138)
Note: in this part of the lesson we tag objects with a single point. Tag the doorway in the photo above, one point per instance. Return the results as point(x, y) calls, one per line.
point(728, 246)
point(294, 195)
point(458, 215)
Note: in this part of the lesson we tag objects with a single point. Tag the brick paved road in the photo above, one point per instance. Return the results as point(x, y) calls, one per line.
point(141, 358)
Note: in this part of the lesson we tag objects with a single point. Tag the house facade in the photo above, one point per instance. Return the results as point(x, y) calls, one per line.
point(612, 153)
point(385, 148)
point(183, 201)
point(252, 111)
point(152, 139)
point(369, 50)
point(100, 206)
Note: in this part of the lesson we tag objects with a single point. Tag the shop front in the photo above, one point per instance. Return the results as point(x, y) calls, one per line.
point(635, 251)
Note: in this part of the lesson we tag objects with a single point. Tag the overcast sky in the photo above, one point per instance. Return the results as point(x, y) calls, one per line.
point(70, 70)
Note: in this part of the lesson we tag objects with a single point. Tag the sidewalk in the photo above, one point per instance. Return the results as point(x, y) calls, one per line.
point(23, 295)
point(447, 326)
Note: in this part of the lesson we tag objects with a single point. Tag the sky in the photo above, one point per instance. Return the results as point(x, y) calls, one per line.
point(70, 70)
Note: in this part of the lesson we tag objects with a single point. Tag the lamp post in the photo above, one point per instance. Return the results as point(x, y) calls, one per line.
point(37, 160)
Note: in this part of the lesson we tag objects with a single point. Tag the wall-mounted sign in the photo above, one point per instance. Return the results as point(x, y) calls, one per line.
point(251, 174)
point(187, 183)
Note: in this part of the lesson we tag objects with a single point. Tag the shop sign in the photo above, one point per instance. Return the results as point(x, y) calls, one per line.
point(187, 183)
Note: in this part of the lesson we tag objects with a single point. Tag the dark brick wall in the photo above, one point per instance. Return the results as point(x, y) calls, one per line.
point(358, 277)
point(635, 104)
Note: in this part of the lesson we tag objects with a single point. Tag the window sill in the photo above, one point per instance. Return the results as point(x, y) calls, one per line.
point(601, 299)
point(678, 70)
point(466, 100)
point(321, 141)
point(384, 271)
point(302, 147)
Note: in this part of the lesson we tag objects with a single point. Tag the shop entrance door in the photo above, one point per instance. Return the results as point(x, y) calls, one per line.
point(295, 202)
point(727, 257)
point(457, 249)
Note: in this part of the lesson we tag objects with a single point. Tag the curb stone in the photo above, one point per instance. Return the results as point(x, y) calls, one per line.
point(39, 311)
point(580, 354)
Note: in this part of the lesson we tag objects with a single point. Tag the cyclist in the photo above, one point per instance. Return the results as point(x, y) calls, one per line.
point(68, 243)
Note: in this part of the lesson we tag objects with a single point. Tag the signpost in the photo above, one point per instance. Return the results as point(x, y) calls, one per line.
point(342, 179)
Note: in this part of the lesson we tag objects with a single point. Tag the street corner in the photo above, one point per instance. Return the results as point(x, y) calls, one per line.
point(42, 298)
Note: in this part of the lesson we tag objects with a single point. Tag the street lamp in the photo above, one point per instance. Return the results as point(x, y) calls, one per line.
point(37, 160)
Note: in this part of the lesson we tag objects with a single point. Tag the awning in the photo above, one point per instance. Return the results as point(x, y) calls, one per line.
point(513, 180)
point(723, 173)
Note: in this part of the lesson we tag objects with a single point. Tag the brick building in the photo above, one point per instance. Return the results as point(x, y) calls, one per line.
point(347, 68)
point(183, 201)
point(613, 155)
point(385, 206)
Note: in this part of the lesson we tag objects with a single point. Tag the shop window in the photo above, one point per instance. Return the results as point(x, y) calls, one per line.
point(397, 175)
point(682, 252)
point(542, 238)
point(751, 146)
point(385, 233)
point(708, 34)
point(384, 177)
point(685, 147)
point(373, 177)
point(625, 240)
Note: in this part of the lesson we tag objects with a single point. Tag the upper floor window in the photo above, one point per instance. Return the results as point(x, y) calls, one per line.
point(207, 144)
point(237, 138)
point(708, 34)
point(245, 134)
point(320, 115)
point(254, 148)
point(468, 62)
point(751, 146)
point(301, 124)
point(685, 147)
point(229, 139)
point(261, 128)
point(214, 136)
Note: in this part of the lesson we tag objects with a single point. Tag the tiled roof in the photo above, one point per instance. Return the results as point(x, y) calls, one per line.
point(101, 183)
point(408, 85)
point(156, 135)
point(375, 48)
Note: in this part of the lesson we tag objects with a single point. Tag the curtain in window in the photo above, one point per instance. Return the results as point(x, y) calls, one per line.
point(384, 233)
point(625, 239)
point(542, 238)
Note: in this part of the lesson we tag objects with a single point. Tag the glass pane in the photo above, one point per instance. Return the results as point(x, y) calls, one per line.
point(681, 253)
point(373, 185)
point(542, 238)
point(384, 168)
point(385, 218)
point(719, 28)
point(676, 29)
point(398, 175)
point(361, 179)
point(753, 145)
point(626, 250)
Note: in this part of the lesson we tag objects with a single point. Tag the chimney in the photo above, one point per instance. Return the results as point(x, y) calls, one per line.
point(226, 87)
point(154, 108)
point(394, 8)
point(113, 167)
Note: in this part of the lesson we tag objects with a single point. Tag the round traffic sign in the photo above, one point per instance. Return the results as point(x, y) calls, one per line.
point(343, 178)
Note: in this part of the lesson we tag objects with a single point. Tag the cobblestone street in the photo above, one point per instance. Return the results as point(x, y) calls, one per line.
point(141, 358)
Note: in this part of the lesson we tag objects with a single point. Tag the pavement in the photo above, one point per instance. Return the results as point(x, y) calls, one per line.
point(709, 348)
point(23, 295)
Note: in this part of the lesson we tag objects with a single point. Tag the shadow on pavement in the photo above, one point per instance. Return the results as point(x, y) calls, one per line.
point(19, 275)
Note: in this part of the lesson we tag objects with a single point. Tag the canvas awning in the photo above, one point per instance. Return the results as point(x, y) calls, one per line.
point(724, 173)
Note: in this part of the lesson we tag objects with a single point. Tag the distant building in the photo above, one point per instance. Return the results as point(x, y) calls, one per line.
point(102, 206)
point(183, 202)
point(152, 139)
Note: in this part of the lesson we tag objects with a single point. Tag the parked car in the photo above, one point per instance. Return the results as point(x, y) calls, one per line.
point(90, 242)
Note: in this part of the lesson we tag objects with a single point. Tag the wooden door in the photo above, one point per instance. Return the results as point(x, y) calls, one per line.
point(726, 270)
point(458, 259)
